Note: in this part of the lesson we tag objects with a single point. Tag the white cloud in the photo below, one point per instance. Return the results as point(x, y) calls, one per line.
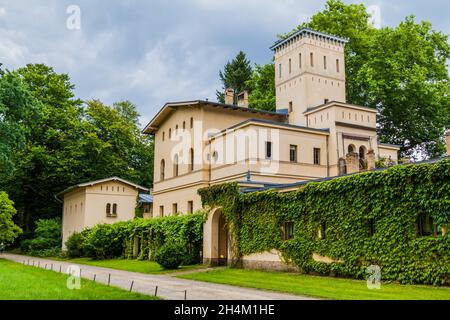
point(2, 12)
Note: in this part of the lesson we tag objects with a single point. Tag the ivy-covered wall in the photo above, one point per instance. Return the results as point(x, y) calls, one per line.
point(364, 219)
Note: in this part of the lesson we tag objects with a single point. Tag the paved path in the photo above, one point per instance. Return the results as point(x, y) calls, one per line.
point(167, 287)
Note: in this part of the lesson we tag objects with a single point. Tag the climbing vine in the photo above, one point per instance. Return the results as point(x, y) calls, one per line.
point(356, 221)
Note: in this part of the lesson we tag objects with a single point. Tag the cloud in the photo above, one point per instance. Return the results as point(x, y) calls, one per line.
point(151, 52)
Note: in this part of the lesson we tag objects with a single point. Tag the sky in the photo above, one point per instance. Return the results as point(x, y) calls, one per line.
point(153, 52)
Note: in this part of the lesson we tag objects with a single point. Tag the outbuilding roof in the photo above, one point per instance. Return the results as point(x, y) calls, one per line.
point(91, 183)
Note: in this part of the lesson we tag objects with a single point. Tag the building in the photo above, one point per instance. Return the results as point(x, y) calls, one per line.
point(312, 134)
point(102, 201)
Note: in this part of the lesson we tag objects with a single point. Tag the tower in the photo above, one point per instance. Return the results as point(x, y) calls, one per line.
point(309, 71)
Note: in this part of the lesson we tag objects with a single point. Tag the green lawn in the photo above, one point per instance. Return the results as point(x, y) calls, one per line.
point(314, 286)
point(143, 266)
point(19, 282)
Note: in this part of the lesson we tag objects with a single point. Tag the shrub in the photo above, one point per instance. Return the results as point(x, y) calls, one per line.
point(47, 236)
point(75, 245)
point(170, 255)
point(105, 241)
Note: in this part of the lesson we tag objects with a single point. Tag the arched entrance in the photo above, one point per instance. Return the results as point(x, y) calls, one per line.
point(222, 245)
point(216, 239)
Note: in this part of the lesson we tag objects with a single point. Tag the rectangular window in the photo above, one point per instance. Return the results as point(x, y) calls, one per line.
point(174, 208)
point(268, 150)
point(290, 106)
point(290, 66)
point(190, 207)
point(293, 153)
point(337, 65)
point(279, 71)
point(426, 225)
point(325, 62)
point(316, 155)
point(288, 230)
point(311, 58)
point(299, 60)
point(161, 211)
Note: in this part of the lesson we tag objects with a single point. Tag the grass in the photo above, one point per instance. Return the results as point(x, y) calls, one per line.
point(142, 266)
point(315, 286)
point(19, 282)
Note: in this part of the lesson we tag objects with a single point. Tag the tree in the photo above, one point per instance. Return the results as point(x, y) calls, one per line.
point(18, 108)
point(406, 78)
point(262, 87)
point(235, 75)
point(8, 230)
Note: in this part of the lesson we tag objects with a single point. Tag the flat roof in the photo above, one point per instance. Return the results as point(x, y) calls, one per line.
point(302, 31)
point(274, 123)
point(339, 104)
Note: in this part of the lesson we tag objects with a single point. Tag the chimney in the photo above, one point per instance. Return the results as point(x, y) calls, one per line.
point(447, 141)
point(229, 96)
point(242, 99)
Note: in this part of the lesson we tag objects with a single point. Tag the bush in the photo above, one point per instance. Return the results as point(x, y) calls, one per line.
point(75, 245)
point(47, 238)
point(170, 255)
point(105, 241)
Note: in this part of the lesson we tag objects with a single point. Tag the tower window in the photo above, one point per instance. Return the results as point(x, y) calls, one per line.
point(192, 123)
point(175, 166)
point(290, 66)
point(337, 65)
point(299, 60)
point(279, 71)
point(162, 169)
point(191, 159)
point(268, 150)
point(311, 58)
point(325, 62)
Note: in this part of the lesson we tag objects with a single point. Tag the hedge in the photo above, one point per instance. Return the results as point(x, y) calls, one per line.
point(140, 238)
point(346, 209)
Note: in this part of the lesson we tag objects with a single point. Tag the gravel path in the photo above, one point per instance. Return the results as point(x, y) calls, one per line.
point(165, 286)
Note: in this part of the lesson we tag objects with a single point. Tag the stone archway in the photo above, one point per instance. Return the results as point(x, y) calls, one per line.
point(215, 239)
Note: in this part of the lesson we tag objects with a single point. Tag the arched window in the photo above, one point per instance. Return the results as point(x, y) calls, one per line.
point(163, 169)
point(191, 159)
point(351, 148)
point(108, 209)
point(114, 209)
point(362, 152)
point(175, 166)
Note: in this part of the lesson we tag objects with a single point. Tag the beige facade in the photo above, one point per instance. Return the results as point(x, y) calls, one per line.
point(103, 201)
point(313, 134)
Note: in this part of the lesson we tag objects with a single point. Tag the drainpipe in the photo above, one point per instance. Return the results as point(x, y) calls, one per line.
point(328, 157)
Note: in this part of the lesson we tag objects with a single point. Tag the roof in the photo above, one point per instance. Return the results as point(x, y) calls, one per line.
point(338, 103)
point(307, 31)
point(169, 107)
point(91, 183)
point(301, 183)
point(145, 198)
point(389, 145)
point(275, 123)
